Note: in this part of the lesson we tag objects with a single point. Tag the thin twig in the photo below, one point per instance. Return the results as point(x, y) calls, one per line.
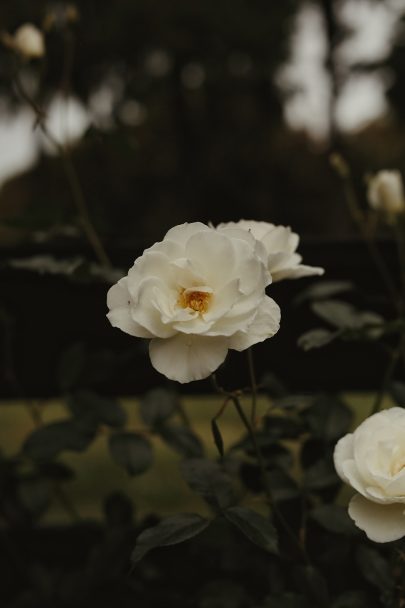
point(72, 177)
point(253, 385)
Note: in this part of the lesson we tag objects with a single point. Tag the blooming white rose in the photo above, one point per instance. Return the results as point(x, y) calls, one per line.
point(28, 40)
point(372, 461)
point(386, 192)
point(280, 244)
point(196, 294)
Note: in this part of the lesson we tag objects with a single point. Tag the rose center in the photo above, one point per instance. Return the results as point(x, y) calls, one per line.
point(195, 299)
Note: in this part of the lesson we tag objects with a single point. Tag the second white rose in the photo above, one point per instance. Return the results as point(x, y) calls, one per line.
point(372, 461)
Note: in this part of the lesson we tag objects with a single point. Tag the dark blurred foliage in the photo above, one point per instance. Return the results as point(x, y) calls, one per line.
point(213, 145)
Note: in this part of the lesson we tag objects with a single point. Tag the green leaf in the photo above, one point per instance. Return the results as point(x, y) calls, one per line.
point(131, 451)
point(328, 418)
point(171, 531)
point(323, 289)
point(216, 433)
point(375, 568)
point(316, 338)
point(320, 475)
point(209, 481)
point(283, 487)
point(339, 314)
point(182, 439)
point(157, 406)
point(49, 440)
point(254, 526)
point(334, 518)
point(313, 585)
point(71, 366)
point(90, 409)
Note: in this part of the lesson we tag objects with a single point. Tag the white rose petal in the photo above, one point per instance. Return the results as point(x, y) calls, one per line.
point(372, 461)
point(280, 244)
point(386, 192)
point(186, 357)
point(381, 523)
point(197, 293)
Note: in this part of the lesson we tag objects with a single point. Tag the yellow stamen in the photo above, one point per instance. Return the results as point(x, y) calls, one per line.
point(195, 299)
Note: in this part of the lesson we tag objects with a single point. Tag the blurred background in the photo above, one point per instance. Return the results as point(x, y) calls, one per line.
point(211, 111)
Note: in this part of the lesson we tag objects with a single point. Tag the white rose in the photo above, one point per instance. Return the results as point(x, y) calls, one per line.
point(280, 244)
point(372, 461)
point(196, 294)
point(28, 40)
point(386, 192)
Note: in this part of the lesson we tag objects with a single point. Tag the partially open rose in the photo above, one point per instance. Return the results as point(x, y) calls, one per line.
point(372, 461)
point(280, 243)
point(196, 294)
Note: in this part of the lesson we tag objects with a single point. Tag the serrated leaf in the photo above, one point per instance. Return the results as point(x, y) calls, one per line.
point(216, 433)
point(131, 451)
point(92, 409)
point(209, 481)
point(171, 531)
point(334, 518)
point(254, 526)
point(157, 406)
point(182, 439)
point(49, 440)
point(316, 338)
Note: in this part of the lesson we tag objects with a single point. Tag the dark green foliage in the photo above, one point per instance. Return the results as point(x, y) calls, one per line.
point(49, 440)
point(157, 406)
point(182, 440)
point(258, 529)
point(209, 481)
point(131, 451)
point(170, 531)
point(90, 410)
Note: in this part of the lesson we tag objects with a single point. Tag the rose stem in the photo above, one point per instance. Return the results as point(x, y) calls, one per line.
point(359, 219)
point(260, 460)
point(72, 177)
point(253, 385)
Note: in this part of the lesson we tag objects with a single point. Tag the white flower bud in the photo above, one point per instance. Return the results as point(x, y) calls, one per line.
point(386, 192)
point(28, 41)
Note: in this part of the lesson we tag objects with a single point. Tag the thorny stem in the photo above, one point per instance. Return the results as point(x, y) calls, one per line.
point(359, 219)
point(234, 398)
point(59, 493)
point(72, 177)
point(388, 376)
point(253, 385)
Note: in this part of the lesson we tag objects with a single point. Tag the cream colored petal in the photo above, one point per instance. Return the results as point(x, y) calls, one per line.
point(343, 452)
point(185, 358)
point(265, 324)
point(381, 523)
